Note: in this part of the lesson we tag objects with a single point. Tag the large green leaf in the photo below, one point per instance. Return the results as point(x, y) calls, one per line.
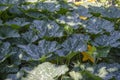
point(36, 15)
point(109, 12)
point(17, 22)
point(82, 11)
point(9, 2)
point(18, 41)
point(31, 38)
point(36, 52)
point(75, 43)
point(71, 20)
point(96, 9)
point(40, 6)
point(98, 26)
point(50, 6)
point(8, 32)
point(47, 28)
point(5, 51)
point(11, 77)
point(17, 57)
point(27, 7)
point(31, 29)
point(103, 52)
point(65, 4)
point(46, 71)
point(108, 41)
point(14, 9)
point(3, 8)
point(6, 68)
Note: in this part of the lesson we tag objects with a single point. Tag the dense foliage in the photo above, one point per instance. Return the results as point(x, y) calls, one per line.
point(52, 40)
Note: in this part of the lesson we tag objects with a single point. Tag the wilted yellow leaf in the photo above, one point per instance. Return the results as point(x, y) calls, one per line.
point(87, 54)
point(83, 17)
point(86, 57)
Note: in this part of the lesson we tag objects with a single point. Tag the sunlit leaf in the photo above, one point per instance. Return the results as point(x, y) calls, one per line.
point(46, 71)
point(78, 3)
point(91, 0)
point(76, 75)
point(71, 20)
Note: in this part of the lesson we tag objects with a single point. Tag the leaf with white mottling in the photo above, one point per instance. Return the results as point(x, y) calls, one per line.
point(46, 71)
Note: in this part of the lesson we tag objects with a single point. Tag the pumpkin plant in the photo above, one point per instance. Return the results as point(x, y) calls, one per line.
point(34, 33)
